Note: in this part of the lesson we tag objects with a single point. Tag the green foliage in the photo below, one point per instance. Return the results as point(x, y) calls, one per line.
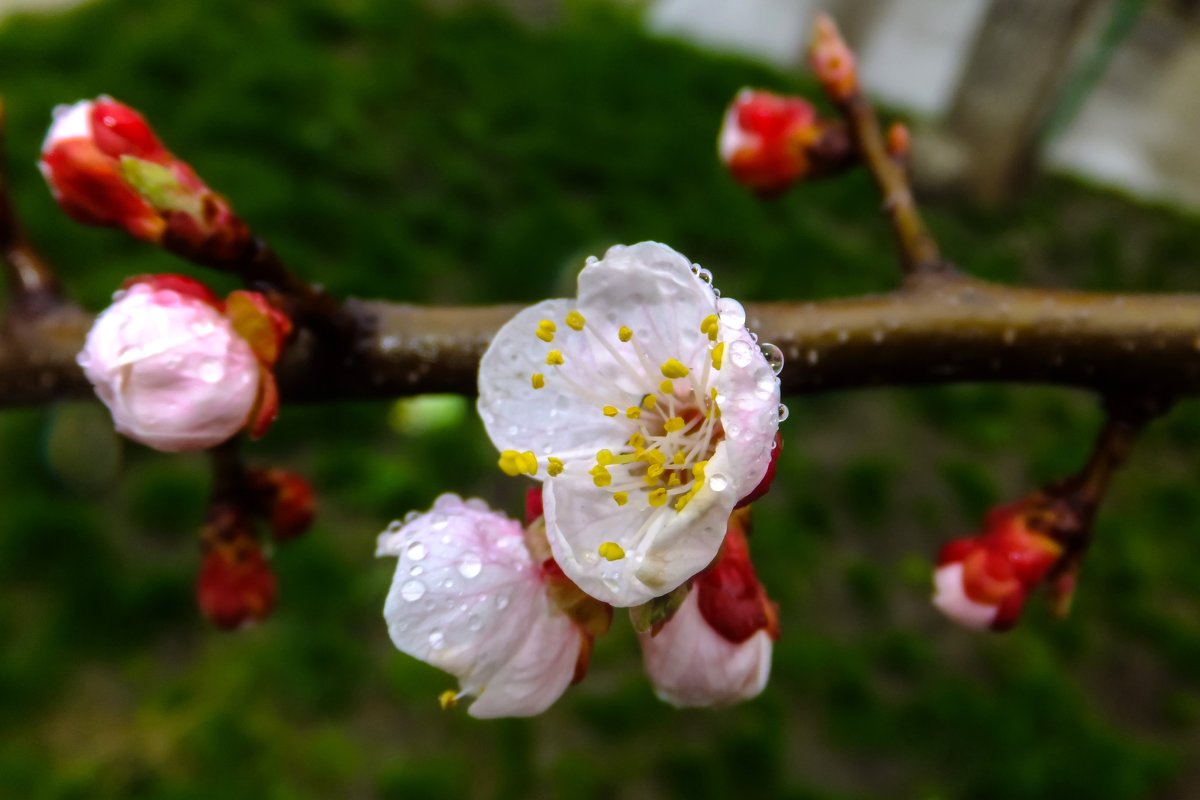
point(387, 150)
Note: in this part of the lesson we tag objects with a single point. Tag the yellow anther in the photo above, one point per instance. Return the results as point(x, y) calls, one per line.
point(650, 401)
point(545, 330)
point(554, 358)
point(624, 334)
point(674, 479)
point(538, 380)
point(448, 699)
point(604, 458)
point(600, 476)
point(575, 321)
point(674, 424)
point(612, 551)
point(633, 412)
point(672, 368)
point(710, 325)
point(554, 466)
point(655, 457)
point(698, 469)
point(678, 458)
point(718, 355)
point(658, 497)
point(637, 440)
point(611, 411)
point(514, 463)
point(620, 498)
point(686, 498)
point(666, 387)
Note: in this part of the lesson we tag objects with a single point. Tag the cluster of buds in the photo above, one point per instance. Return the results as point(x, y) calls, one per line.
point(181, 369)
point(236, 584)
point(982, 582)
point(105, 166)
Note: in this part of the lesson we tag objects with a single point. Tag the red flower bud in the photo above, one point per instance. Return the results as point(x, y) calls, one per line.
point(763, 139)
point(286, 499)
point(236, 584)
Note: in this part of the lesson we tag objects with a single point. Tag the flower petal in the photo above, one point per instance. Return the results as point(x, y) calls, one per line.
point(951, 599)
point(690, 664)
point(467, 598)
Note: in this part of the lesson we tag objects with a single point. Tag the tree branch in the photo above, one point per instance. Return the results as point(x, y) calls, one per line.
point(930, 332)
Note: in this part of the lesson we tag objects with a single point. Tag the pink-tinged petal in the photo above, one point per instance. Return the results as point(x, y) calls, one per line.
point(951, 599)
point(467, 598)
point(171, 369)
point(69, 122)
point(121, 131)
point(692, 665)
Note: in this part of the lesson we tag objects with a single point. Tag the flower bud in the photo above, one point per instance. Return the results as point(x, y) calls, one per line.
point(763, 139)
point(832, 60)
point(716, 648)
point(170, 366)
point(236, 584)
point(286, 499)
point(982, 582)
point(105, 166)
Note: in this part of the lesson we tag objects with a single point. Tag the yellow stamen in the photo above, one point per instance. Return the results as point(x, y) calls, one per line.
point(650, 401)
point(554, 358)
point(637, 440)
point(672, 368)
point(674, 424)
point(538, 380)
point(656, 457)
point(710, 325)
point(678, 458)
point(554, 467)
point(686, 498)
point(624, 334)
point(698, 470)
point(600, 476)
point(514, 463)
point(610, 411)
point(612, 551)
point(674, 479)
point(604, 457)
point(718, 355)
point(633, 412)
point(545, 330)
point(620, 498)
point(448, 699)
point(575, 321)
point(658, 497)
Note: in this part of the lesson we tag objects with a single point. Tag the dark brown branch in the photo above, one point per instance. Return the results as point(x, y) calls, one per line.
point(930, 332)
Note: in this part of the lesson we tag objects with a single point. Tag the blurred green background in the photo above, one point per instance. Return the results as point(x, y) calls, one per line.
point(455, 156)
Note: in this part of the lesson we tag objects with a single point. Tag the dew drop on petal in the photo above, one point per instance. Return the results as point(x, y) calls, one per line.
point(435, 639)
point(439, 523)
point(731, 312)
point(774, 357)
point(502, 601)
point(448, 583)
point(705, 276)
point(718, 482)
point(395, 525)
point(474, 623)
point(212, 372)
point(783, 412)
point(415, 571)
point(412, 591)
point(416, 551)
point(741, 353)
point(470, 566)
point(411, 516)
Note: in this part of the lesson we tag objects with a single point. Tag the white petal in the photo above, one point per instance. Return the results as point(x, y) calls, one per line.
point(690, 664)
point(70, 122)
point(467, 598)
point(556, 418)
point(749, 399)
point(663, 547)
point(952, 600)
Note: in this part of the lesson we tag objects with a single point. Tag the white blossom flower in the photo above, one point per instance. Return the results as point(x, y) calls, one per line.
point(171, 368)
point(647, 409)
point(691, 664)
point(468, 598)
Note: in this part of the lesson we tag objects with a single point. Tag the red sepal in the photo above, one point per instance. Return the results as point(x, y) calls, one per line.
point(91, 190)
point(118, 131)
point(235, 584)
point(729, 595)
point(180, 284)
point(533, 506)
point(768, 477)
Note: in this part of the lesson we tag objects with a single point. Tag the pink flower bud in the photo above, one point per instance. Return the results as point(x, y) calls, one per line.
point(105, 166)
point(832, 60)
point(763, 139)
point(716, 649)
point(170, 367)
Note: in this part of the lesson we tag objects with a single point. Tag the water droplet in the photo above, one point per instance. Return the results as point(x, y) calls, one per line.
point(773, 355)
point(415, 571)
point(732, 312)
point(416, 551)
point(474, 623)
point(741, 353)
point(439, 523)
point(502, 601)
point(470, 566)
point(410, 516)
point(212, 372)
point(436, 639)
point(513, 430)
point(412, 591)
point(783, 412)
point(705, 276)
point(394, 527)
point(448, 583)
point(768, 384)
point(718, 482)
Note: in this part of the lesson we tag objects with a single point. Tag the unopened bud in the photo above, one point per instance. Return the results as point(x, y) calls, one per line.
point(764, 138)
point(832, 60)
point(236, 584)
